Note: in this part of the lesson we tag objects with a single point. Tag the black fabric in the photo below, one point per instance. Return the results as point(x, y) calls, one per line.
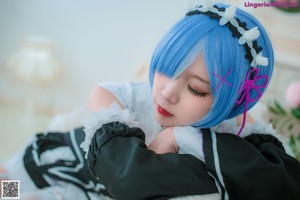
point(255, 167)
point(43, 142)
point(119, 157)
point(75, 172)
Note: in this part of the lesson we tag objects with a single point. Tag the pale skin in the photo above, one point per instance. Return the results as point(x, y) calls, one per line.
point(185, 99)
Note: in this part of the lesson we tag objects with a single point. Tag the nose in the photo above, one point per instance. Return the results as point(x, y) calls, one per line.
point(170, 92)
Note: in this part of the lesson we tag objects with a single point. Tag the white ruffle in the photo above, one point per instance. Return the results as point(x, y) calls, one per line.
point(105, 115)
point(256, 127)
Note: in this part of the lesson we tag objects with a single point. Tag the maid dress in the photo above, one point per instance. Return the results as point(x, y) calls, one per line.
point(54, 164)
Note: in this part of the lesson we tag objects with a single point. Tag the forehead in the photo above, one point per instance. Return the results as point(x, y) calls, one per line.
point(198, 67)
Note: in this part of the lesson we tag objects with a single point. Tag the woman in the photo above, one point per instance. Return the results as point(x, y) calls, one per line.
point(211, 66)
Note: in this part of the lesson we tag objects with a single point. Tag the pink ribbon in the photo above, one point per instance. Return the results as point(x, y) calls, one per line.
point(248, 85)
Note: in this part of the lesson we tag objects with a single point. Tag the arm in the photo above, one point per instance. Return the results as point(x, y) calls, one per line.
point(164, 142)
point(182, 140)
point(100, 97)
point(119, 157)
point(167, 142)
point(254, 167)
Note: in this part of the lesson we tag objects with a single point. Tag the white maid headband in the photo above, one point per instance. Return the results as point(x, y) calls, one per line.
point(226, 16)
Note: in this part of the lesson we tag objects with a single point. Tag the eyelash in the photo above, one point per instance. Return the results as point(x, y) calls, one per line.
point(195, 92)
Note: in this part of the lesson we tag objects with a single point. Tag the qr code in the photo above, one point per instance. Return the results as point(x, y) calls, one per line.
point(10, 189)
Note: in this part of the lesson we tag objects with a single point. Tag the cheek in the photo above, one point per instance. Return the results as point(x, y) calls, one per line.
point(155, 89)
point(195, 108)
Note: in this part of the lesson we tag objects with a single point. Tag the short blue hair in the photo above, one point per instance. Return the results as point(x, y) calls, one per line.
point(221, 51)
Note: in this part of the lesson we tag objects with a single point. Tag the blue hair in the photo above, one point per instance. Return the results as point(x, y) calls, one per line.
point(222, 53)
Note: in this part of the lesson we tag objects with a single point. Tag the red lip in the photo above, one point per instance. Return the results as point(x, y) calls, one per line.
point(163, 111)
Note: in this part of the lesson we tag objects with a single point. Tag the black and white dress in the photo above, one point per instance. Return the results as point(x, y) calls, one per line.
point(54, 163)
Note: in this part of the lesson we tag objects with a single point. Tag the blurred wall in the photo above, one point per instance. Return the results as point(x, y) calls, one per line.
point(95, 40)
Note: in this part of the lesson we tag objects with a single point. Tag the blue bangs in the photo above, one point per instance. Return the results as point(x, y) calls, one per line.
point(179, 47)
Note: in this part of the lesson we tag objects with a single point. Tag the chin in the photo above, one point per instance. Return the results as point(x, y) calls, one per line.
point(166, 122)
point(162, 121)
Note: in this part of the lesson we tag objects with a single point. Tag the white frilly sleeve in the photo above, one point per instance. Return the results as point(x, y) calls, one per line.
point(105, 115)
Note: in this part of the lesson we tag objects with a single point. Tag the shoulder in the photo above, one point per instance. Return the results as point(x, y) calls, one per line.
point(101, 97)
point(103, 94)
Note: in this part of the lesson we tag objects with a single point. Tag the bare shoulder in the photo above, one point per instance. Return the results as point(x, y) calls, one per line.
point(240, 118)
point(100, 97)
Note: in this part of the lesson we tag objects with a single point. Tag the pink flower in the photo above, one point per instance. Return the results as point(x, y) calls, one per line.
point(292, 95)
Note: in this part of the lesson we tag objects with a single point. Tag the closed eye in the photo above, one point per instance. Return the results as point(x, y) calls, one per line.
point(195, 92)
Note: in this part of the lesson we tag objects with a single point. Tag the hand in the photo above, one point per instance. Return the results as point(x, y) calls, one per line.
point(164, 142)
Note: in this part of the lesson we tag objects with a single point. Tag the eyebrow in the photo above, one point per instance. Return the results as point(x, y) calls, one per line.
point(201, 79)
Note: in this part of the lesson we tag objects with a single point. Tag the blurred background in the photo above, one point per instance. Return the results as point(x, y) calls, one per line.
point(53, 52)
